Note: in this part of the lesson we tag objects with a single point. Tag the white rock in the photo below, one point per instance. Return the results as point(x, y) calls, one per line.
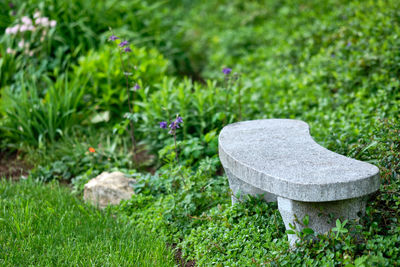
point(108, 188)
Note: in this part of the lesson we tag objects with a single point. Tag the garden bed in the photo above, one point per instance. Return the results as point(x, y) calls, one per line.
point(82, 83)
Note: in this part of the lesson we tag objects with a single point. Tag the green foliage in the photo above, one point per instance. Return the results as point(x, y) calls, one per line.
point(203, 108)
point(252, 233)
point(45, 225)
point(334, 64)
point(192, 150)
point(182, 193)
point(84, 25)
point(71, 161)
point(34, 116)
point(240, 235)
point(106, 89)
point(7, 66)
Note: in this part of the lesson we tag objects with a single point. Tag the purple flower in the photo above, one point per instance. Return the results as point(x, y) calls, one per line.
point(226, 71)
point(179, 120)
point(124, 43)
point(11, 5)
point(136, 87)
point(127, 49)
point(173, 126)
point(348, 44)
point(113, 38)
point(163, 125)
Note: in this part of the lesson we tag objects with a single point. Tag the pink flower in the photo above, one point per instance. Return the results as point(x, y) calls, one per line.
point(23, 28)
point(10, 51)
point(21, 44)
point(42, 21)
point(8, 30)
point(36, 15)
point(15, 29)
point(26, 20)
point(53, 23)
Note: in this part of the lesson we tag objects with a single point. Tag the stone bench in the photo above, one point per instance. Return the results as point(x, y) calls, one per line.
point(279, 158)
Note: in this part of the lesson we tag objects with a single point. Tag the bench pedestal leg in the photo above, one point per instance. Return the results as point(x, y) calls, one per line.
point(240, 189)
point(322, 215)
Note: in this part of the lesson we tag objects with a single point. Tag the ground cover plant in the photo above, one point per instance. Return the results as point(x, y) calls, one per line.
point(200, 65)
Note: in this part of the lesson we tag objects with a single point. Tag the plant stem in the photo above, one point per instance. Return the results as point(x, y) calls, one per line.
point(226, 86)
point(177, 159)
point(240, 99)
point(131, 107)
point(227, 91)
point(176, 149)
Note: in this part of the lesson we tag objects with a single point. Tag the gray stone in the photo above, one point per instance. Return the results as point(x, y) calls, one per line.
point(322, 215)
point(240, 189)
point(108, 188)
point(278, 157)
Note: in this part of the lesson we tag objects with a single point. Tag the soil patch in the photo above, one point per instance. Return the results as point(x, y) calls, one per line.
point(12, 167)
point(178, 258)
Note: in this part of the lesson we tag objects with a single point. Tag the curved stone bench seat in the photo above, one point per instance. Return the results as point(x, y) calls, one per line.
point(280, 159)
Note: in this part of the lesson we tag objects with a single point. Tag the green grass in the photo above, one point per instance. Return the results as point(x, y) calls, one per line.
point(44, 225)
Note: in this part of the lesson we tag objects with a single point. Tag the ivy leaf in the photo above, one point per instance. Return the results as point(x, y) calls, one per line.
point(308, 231)
point(306, 220)
point(290, 232)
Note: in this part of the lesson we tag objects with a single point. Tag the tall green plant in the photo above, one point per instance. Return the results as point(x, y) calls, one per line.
point(32, 119)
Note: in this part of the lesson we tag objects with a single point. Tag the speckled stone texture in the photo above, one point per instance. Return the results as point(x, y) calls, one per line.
point(278, 157)
point(240, 189)
point(322, 215)
point(108, 189)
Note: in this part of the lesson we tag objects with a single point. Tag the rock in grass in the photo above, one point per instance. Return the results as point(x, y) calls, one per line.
point(108, 188)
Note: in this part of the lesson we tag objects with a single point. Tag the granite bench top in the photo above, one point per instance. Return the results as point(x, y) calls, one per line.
point(280, 157)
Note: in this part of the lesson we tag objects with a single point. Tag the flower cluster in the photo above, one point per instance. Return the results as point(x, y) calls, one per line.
point(226, 71)
point(122, 47)
point(173, 125)
point(124, 44)
point(26, 25)
point(136, 87)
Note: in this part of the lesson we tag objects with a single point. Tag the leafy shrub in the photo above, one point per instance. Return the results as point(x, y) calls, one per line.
point(203, 108)
point(105, 88)
point(179, 194)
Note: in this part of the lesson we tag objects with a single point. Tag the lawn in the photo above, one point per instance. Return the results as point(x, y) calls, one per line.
point(44, 225)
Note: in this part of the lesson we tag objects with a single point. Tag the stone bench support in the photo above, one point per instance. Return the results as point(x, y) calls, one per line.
point(322, 215)
point(279, 159)
point(240, 189)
